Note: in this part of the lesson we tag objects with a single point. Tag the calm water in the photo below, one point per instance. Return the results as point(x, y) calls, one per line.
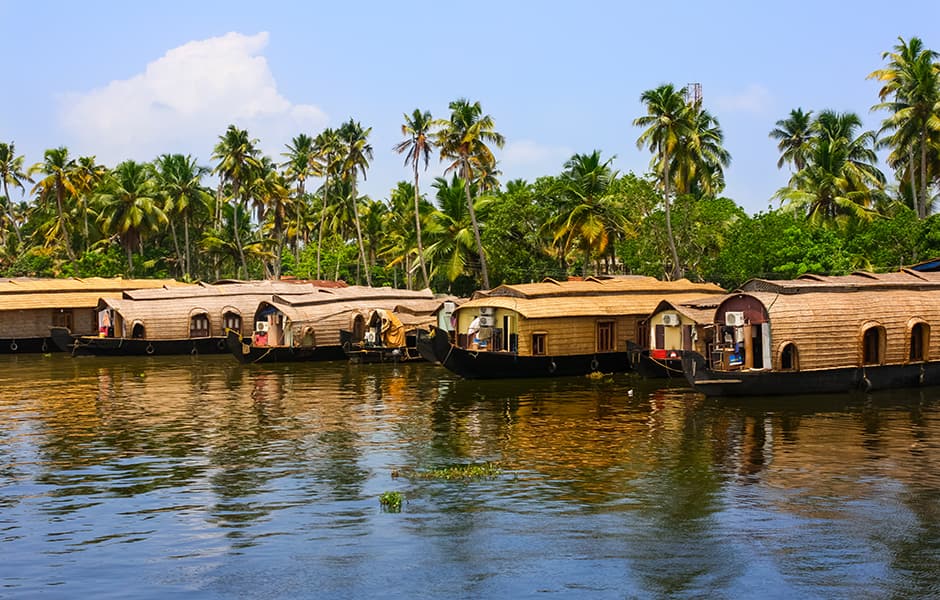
point(203, 478)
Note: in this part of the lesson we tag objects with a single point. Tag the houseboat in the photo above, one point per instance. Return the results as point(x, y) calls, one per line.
point(676, 328)
point(391, 335)
point(179, 320)
point(819, 334)
point(29, 307)
point(307, 327)
point(555, 328)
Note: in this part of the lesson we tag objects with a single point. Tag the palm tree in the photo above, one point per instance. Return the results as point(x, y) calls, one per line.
point(328, 149)
point(300, 165)
point(590, 217)
point(12, 173)
point(357, 154)
point(463, 139)
point(129, 205)
point(89, 175)
point(271, 190)
point(911, 92)
point(450, 229)
point(237, 156)
point(60, 181)
point(417, 145)
point(793, 135)
point(179, 181)
point(840, 179)
point(667, 123)
point(699, 161)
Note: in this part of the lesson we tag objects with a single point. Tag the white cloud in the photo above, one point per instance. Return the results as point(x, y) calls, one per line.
point(755, 99)
point(184, 100)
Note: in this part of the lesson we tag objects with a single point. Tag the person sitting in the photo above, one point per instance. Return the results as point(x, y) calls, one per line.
point(473, 332)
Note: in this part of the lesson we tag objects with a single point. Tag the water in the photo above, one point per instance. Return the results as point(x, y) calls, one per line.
point(204, 478)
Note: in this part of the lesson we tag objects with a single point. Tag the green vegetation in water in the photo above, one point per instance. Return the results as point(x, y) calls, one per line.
point(485, 470)
point(391, 501)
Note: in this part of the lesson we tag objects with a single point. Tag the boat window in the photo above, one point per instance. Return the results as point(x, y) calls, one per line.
point(872, 346)
point(605, 336)
point(539, 344)
point(233, 321)
point(62, 318)
point(138, 330)
point(789, 358)
point(199, 325)
point(920, 338)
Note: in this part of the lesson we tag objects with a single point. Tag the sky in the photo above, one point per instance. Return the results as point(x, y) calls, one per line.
point(132, 80)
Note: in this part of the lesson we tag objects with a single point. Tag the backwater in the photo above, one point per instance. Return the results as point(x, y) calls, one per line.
point(199, 477)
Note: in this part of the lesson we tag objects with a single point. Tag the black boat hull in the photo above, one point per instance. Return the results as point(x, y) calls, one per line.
point(28, 345)
point(822, 381)
point(363, 354)
point(84, 345)
point(471, 364)
point(247, 353)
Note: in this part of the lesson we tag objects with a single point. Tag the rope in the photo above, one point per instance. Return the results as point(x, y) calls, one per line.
point(664, 365)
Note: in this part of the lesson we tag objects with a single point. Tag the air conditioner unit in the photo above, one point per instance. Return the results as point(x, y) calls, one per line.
point(671, 320)
point(486, 321)
point(734, 319)
point(261, 326)
point(486, 310)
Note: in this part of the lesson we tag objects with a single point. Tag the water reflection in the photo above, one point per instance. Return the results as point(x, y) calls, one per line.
point(610, 488)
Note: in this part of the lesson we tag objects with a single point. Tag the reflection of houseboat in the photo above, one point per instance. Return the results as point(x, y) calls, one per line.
point(674, 329)
point(29, 307)
point(185, 320)
point(302, 328)
point(554, 328)
point(821, 334)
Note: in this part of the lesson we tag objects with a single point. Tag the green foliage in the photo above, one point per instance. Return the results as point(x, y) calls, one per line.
point(106, 262)
point(487, 470)
point(391, 501)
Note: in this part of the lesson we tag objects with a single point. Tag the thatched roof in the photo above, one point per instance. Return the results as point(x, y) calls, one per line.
point(595, 286)
point(699, 310)
point(74, 292)
point(203, 290)
point(354, 293)
point(634, 295)
point(904, 279)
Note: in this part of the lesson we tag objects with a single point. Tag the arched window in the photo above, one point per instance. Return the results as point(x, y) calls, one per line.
point(920, 341)
point(232, 320)
point(789, 358)
point(873, 342)
point(137, 331)
point(199, 325)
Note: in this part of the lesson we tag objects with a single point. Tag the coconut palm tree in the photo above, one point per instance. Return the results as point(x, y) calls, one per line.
point(911, 92)
point(12, 173)
point(699, 161)
point(793, 135)
point(328, 150)
point(667, 122)
point(301, 164)
point(357, 152)
point(464, 139)
point(179, 181)
point(60, 182)
point(450, 229)
point(237, 156)
point(129, 206)
point(417, 145)
point(590, 218)
point(840, 179)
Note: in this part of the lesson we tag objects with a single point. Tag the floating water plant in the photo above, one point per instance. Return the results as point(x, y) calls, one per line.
point(485, 470)
point(391, 501)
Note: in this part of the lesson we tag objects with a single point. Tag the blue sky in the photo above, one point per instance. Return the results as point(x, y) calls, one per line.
point(133, 80)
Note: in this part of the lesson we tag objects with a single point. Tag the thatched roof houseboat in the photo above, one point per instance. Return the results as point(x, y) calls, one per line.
point(29, 307)
point(674, 329)
point(555, 328)
point(819, 334)
point(307, 327)
point(186, 320)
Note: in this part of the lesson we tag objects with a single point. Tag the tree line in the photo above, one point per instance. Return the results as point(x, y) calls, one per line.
point(251, 216)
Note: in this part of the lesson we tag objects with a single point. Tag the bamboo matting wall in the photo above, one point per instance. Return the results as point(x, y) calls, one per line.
point(827, 327)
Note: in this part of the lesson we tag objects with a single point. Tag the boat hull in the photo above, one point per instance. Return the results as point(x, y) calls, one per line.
point(471, 364)
point(84, 345)
point(29, 345)
point(248, 353)
point(821, 381)
point(359, 353)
